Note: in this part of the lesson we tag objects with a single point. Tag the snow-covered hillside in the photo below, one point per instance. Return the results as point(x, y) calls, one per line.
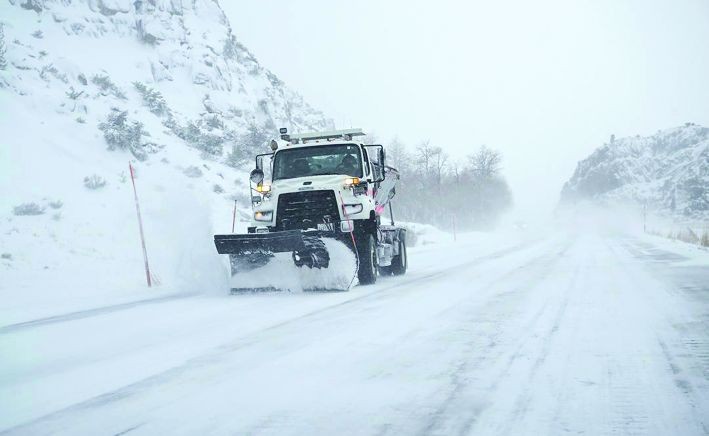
point(668, 171)
point(88, 85)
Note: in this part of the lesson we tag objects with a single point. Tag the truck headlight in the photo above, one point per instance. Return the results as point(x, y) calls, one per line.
point(351, 181)
point(264, 188)
point(351, 209)
point(263, 216)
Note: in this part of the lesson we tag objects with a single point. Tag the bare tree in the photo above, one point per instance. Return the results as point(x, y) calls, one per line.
point(455, 171)
point(485, 163)
point(424, 157)
point(396, 154)
point(439, 160)
point(474, 190)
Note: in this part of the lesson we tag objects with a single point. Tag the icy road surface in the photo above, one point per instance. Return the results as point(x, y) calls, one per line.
point(567, 334)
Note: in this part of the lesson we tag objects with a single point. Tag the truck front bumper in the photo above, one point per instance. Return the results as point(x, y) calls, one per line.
point(273, 242)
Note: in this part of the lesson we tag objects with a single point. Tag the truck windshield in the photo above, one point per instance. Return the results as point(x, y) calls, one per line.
point(317, 160)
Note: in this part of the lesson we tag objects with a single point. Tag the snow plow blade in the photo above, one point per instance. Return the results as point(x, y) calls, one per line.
point(311, 251)
point(308, 249)
point(274, 242)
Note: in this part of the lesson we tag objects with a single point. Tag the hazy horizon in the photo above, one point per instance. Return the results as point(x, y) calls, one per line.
point(544, 83)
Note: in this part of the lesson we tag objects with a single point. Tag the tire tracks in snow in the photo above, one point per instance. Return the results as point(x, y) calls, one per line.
point(446, 419)
point(524, 400)
point(214, 355)
point(684, 344)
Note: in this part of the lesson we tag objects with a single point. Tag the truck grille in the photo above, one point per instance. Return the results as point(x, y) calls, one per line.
point(305, 210)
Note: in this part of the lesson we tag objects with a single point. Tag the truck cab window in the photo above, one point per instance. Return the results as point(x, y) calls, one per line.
point(345, 159)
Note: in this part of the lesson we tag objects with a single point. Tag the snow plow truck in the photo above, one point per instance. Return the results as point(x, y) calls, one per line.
point(314, 186)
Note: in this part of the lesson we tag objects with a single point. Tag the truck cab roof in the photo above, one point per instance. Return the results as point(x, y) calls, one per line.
point(331, 137)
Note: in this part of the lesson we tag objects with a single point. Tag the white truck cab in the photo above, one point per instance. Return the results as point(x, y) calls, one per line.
point(321, 185)
point(318, 180)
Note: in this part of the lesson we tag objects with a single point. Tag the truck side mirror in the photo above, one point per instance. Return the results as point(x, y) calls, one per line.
point(256, 176)
point(379, 173)
point(376, 157)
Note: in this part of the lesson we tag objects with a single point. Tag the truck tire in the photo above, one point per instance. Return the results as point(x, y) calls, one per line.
point(314, 254)
point(368, 263)
point(400, 262)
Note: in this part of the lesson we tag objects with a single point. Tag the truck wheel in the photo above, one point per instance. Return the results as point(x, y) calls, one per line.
point(368, 263)
point(400, 262)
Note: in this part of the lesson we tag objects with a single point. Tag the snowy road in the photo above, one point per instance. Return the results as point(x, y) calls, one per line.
point(567, 334)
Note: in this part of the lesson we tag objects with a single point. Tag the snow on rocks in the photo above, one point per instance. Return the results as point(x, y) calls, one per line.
point(668, 172)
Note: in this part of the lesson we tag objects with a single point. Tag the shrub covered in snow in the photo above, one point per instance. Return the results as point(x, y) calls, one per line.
point(56, 204)
point(107, 87)
point(73, 94)
point(33, 5)
point(28, 209)
point(237, 156)
point(248, 144)
point(230, 48)
point(217, 189)
point(121, 133)
point(204, 140)
point(201, 135)
point(152, 99)
point(94, 182)
point(51, 70)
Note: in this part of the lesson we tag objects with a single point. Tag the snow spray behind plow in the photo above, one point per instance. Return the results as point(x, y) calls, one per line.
point(280, 274)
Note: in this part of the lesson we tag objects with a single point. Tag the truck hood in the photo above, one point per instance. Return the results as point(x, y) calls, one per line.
point(312, 183)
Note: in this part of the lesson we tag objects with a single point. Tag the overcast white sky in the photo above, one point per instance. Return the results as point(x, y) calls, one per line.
point(545, 82)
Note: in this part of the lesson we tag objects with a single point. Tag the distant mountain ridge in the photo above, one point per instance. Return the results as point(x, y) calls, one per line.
point(667, 171)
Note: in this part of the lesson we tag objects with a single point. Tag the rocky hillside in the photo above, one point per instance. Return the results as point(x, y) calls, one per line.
point(86, 86)
point(668, 171)
point(174, 60)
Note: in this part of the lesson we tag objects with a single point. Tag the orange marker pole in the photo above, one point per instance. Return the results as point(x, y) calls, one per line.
point(140, 225)
point(233, 218)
